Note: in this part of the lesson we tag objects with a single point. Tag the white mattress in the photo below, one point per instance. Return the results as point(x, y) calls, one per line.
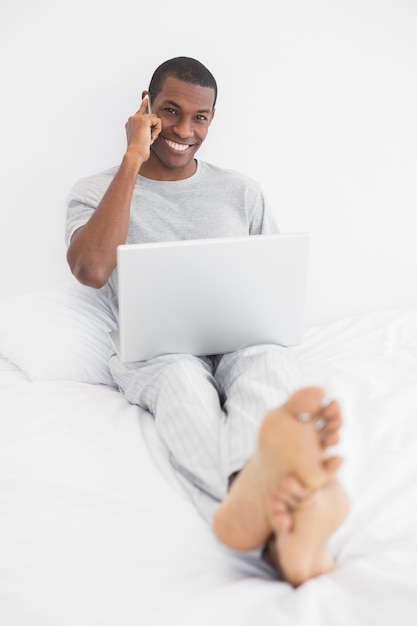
point(94, 529)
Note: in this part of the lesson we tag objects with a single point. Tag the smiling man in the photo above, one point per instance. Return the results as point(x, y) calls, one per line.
point(260, 477)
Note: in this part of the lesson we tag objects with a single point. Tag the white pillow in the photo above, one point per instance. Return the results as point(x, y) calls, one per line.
point(60, 332)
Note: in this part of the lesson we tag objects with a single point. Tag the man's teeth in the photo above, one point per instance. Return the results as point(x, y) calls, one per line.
point(177, 146)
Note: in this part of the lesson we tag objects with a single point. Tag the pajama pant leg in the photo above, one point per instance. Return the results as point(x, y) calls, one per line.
point(253, 380)
point(182, 395)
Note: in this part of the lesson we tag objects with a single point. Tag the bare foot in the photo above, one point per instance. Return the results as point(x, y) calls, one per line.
point(286, 445)
point(300, 551)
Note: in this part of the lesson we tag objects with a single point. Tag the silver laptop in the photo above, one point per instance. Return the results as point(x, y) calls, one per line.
point(210, 296)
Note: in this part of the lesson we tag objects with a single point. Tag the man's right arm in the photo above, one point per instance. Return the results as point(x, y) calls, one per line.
point(92, 250)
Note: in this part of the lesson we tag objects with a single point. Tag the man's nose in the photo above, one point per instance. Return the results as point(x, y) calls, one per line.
point(183, 127)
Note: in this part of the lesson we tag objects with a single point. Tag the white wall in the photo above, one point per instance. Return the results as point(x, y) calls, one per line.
point(318, 101)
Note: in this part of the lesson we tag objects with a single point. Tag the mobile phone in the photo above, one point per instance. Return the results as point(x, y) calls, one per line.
point(148, 108)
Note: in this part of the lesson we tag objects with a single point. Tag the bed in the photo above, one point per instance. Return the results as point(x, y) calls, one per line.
point(96, 531)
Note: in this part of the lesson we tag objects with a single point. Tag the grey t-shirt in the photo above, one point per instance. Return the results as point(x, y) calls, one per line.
point(214, 202)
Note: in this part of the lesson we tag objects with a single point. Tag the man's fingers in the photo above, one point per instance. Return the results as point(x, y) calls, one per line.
point(155, 129)
point(143, 106)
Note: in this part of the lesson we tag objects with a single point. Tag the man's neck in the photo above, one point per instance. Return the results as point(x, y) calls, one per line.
point(149, 170)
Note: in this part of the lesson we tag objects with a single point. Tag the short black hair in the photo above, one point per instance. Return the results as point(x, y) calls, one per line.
point(183, 68)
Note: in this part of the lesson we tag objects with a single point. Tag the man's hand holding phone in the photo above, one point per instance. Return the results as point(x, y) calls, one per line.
point(142, 129)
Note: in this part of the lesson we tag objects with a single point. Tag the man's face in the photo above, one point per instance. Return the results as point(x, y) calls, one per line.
point(186, 112)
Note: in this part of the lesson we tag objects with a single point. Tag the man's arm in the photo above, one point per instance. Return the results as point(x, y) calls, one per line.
point(92, 251)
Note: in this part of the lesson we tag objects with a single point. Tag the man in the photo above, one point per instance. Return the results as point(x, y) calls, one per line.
point(259, 475)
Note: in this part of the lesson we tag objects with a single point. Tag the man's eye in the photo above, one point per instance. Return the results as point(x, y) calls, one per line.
point(201, 118)
point(169, 110)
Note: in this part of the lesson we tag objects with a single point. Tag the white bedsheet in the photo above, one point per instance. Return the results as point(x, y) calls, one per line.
point(95, 531)
point(10, 373)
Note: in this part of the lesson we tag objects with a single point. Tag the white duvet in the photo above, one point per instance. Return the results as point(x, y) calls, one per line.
point(95, 531)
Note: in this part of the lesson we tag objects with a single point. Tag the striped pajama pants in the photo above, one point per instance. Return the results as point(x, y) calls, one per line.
point(207, 410)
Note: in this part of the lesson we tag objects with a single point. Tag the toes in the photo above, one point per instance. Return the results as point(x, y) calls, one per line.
point(332, 464)
point(328, 423)
point(320, 423)
point(288, 492)
point(306, 402)
point(332, 413)
point(285, 498)
point(330, 439)
point(311, 404)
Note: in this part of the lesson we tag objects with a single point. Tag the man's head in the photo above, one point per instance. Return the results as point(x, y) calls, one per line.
point(185, 69)
point(182, 95)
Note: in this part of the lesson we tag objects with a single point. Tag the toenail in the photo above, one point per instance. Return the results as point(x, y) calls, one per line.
point(320, 424)
point(304, 417)
point(328, 399)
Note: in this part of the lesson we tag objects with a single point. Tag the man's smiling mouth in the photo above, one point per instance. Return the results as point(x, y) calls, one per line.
point(178, 147)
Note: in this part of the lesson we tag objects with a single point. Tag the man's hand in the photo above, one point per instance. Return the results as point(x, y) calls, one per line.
point(141, 130)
